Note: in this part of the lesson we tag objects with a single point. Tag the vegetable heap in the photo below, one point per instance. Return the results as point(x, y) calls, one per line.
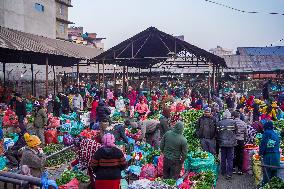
point(200, 154)
point(58, 159)
point(68, 175)
point(275, 183)
point(190, 118)
point(204, 180)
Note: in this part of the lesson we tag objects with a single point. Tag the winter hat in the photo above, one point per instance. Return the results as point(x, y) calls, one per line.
point(108, 140)
point(227, 114)
point(178, 128)
point(32, 140)
point(207, 110)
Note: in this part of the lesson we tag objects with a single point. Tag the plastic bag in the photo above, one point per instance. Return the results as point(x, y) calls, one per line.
point(50, 136)
point(73, 184)
point(148, 171)
point(160, 165)
point(68, 140)
point(3, 163)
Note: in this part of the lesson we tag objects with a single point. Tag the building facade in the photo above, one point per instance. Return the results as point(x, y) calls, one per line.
point(30, 16)
point(62, 18)
point(48, 18)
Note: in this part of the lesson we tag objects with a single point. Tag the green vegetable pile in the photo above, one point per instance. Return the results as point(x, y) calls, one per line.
point(279, 125)
point(58, 159)
point(205, 180)
point(275, 183)
point(190, 118)
point(170, 182)
point(200, 154)
point(118, 118)
point(68, 175)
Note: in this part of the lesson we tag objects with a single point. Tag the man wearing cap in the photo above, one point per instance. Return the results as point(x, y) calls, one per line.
point(207, 132)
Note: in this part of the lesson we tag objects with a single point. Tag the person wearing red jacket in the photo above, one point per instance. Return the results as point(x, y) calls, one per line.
point(93, 114)
point(132, 96)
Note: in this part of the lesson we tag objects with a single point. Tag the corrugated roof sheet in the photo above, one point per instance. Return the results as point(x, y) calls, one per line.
point(263, 51)
point(20, 41)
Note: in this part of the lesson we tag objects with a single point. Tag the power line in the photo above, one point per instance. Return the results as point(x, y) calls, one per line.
point(242, 11)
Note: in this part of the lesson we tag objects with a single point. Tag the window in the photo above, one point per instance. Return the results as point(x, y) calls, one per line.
point(39, 7)
point(61, 8)
point(62, 28)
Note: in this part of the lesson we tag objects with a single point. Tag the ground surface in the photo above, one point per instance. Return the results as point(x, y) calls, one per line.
point(245, 181)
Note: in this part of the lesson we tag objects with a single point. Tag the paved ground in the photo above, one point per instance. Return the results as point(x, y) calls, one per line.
point(245, 181)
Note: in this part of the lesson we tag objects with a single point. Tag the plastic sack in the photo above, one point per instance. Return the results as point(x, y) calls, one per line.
point(280, 173)
point(50, 136)
point(8, 142)
point(68, 140)
point(249, 150)
point(3, 163)
point(73, 184)
point(257, 171)
point(54, 122)
point(60, 139)
point(160, 165)
point(148, 171)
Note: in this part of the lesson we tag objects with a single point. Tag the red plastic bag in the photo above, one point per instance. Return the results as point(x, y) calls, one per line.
point(160, 165)
point(54, 122)
point(50, 136)
point(148, 171)
point(73, 184)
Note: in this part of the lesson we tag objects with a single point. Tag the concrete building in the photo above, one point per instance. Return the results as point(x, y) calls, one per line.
point(48, 18)
point(77, 35)
point(30, 16)
point(62, 18)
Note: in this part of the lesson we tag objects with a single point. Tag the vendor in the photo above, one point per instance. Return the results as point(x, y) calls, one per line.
point(40, 121)
point(13, 154)
point(107, 164)
point(119, 132)
point(174, 147)
point(150, 131)
point(269, 151)
point(33, 159)
point(21, 110)
point(142, 108)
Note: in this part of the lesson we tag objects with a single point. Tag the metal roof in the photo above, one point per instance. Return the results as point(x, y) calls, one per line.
point(17, 46)
point(262, 51)
point(152, 46)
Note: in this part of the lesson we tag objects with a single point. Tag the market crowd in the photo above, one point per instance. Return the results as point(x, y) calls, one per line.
point(227, 125)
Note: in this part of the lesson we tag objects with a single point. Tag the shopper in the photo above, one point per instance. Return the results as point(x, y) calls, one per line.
point(132, 96)
point(165, 121)
point(93, 114)
point(142, 108)
point(107, 164)
point(207, 132)
point(119, 132)
point(174, 147)
point(65, 104)
point(103, 112)
point(269, 151)
point(21, 110)
point(40, 121)
point(241, 137)
point(13, 153)
point(57, 107)
point(33, 158)
point(226, 136)
point(77, 102)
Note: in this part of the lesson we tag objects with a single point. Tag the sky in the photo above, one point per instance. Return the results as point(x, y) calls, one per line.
point(203, 24)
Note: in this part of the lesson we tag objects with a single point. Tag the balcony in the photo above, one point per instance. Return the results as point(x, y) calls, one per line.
point(65, 2)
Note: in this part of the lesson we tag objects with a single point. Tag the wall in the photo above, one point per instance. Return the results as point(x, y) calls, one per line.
point(64, 16)
point(59, 34)
point(22, 15)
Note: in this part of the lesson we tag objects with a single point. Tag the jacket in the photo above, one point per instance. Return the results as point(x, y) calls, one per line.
point(174, 144)
point(270, 141)
point(119, 133)
point(148, 127)
point(164, 125)
point(21, 108)
point(108, 162)
point(65, 103)
point(40, 118)
point(94, 108)
point(226, 133)
point(206, 128)
point(78, 102)
point(242, 130)
point(132, 96)
point(103, 112)
point(34, 161)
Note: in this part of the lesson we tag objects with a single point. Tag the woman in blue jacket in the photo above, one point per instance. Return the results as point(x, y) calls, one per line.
point(269, 150)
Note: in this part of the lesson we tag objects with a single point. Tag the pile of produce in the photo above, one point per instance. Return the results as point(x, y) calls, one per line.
point(147, 184)
point(190, 118)
point(117, 118)
point(68, 175)
point(275, 183)
point(204, 180)
point(58, 159)
point(200, 154)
